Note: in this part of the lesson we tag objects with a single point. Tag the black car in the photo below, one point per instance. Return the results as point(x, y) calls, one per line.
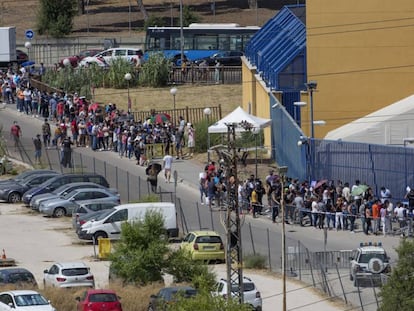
point(17, 276)
point(168, 295)
point(24, 175)
point(225, 58)
point(12, 192)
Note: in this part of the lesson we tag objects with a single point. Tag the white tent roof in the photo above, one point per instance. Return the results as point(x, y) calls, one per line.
point(389, 125)
point(237, 116)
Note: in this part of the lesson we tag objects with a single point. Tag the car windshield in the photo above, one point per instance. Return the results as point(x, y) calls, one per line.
point(104, 214)
point(247, 287)
point(67, 196)
point(30, 300)
point(103, 297)
point(75, 271)
point(365, 258)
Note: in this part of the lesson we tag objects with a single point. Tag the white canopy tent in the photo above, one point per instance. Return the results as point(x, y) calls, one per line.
point(237, 116)
point(390, 125)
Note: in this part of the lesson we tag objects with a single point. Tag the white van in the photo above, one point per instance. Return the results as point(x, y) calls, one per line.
point(108, 224)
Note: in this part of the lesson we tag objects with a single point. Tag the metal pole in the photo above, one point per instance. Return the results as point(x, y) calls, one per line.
point(282, 203)
point(181, 31)
point(175, 113)
point(311, 114)
point(129, 18)
point(255, 142)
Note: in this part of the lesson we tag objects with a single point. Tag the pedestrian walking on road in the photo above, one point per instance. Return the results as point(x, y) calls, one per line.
point(38, 148)
point(15, 134)
point(167, 165)
point(66, 152)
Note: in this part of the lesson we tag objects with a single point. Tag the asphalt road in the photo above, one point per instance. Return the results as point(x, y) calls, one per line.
point(257, 234)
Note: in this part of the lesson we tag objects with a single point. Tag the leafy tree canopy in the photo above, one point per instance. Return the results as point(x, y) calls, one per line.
point(55, 17)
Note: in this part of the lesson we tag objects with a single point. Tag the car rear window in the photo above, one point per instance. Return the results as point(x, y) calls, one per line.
point(103, 297)
point(21, 277)
point(75, 271)
point(247, 287)
point(208, 239)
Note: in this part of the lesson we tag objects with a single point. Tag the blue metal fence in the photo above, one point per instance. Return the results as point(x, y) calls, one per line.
point(375, 165)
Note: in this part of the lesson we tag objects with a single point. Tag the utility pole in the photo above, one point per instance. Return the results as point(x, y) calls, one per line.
point(234, 255)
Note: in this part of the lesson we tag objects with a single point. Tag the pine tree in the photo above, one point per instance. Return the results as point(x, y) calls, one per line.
point(397, 293)
point(55, 17)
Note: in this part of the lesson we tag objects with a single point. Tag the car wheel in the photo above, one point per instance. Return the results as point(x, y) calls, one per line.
point(59, 212)
point(99, 235)
point(14, 197)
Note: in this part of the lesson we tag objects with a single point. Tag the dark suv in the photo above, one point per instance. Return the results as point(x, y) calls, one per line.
point(64, 179)
point(17, 276)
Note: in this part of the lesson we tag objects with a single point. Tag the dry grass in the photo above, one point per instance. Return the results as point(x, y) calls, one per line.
point(144, 99)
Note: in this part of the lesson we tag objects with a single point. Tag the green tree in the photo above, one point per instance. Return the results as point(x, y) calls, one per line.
point(139, 257)
point(189, 16)
point(55, 17)
point(397, 293)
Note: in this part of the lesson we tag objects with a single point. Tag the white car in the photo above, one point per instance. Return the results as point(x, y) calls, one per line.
point(105, 58)
point(24, 300)
point(251, 294)
point(68, 274)
point(368, 264)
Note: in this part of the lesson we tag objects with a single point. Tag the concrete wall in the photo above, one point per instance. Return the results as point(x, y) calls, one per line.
point(361, 54)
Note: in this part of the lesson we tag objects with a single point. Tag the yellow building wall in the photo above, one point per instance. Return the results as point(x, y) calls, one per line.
point(256, 99)
point(361, 53)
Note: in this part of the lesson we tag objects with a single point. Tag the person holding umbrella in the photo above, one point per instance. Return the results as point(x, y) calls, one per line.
point(152, 172)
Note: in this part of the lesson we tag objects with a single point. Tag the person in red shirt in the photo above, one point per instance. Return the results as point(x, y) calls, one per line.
point(15, 133)
point(376, 215)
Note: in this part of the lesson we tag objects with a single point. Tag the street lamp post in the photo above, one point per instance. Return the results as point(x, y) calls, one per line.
point(311, 86)
point(282, 173)
point(181, 31)
point(173, 92)
point(28, 46)
point(128, 78)
point(207, 113)
point(66, 64)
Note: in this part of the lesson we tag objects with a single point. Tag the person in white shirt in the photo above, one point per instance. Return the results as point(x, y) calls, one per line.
point(167, 165)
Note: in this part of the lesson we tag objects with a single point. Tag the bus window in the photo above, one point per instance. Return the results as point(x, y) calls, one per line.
point(224, 43)
point(205, 42)
point(236, 43)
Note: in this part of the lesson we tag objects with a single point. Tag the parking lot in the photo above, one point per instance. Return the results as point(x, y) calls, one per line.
point(35, 242)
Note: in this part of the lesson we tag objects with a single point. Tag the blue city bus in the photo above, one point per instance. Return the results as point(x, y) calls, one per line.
point(200, 40)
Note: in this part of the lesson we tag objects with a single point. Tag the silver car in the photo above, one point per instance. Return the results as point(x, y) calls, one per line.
point(68, 274)
point(66, 204)
point(87, 208)
point(63, 190)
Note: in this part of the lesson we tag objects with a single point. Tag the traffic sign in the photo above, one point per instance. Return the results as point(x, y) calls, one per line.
point(29, 34)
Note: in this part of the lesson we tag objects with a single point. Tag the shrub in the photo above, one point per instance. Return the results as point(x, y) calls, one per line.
point(155, 72)
point(255, 261)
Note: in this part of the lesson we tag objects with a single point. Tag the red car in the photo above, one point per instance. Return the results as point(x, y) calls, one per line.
point(75, 59)
point(99, 300)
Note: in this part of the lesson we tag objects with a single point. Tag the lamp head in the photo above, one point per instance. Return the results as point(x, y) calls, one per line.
point(311, 85)
point(173, 91)
point(128, 76)
point(207, 111)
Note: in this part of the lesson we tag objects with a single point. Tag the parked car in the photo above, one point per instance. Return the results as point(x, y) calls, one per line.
point(84, 218)
point(24, 300)
point(99, 300)
point(226, 58)
point(87, 208)
point(251, 294)
point(62, 190)
point(68, 274)
point(64, 179)
point(75, 59)
point(63, 206)
point(204, 245)
point(13, 192)
point(109, 55)
point(21, 56)
point(24, 175)
point(17, 277)
point(168, 295)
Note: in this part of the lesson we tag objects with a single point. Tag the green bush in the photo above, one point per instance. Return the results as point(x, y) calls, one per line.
point(153, 21)
point(155, 72)
point(184, 269)
point(255, 261)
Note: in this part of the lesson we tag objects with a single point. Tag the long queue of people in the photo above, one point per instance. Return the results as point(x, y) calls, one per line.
point(319, 205)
